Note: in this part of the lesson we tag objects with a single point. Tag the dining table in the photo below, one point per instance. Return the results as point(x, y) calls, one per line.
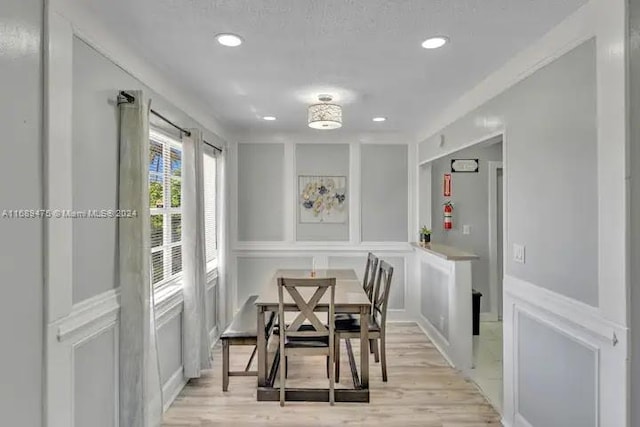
point(350, 298)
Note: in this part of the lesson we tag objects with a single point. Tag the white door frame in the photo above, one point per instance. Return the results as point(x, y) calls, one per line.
point(492, 169)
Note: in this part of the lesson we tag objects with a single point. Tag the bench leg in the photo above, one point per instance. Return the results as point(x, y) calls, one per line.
point(225, 365)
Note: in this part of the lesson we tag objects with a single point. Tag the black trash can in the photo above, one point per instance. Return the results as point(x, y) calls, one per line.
point(476, 311)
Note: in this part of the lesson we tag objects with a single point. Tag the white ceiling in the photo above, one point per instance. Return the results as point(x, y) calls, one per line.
point(367, 53)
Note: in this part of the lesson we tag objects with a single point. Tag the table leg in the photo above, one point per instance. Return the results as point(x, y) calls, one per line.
point(262, 349)
point(364, 348)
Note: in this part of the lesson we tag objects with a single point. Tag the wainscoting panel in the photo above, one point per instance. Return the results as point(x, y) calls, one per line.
point(434, 301)
point(83, 364)
point(254, 264)
point(95, 380)
point(544, 355)
point(170, 347)
point(564, 363)
point(212, 296)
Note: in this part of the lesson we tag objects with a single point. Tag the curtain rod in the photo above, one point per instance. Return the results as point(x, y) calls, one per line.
point(130, 98)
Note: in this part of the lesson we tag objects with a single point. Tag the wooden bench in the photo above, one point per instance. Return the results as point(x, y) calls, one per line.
point(242, 331)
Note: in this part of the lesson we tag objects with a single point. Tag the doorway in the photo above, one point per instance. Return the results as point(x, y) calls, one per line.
point(488, 346)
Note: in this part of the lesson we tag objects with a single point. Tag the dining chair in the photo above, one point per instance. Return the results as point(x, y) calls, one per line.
point(368, 283)
point(376, 321)
point(312, 338)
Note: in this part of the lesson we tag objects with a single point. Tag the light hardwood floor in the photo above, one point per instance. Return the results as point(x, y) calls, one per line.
point(422, 391)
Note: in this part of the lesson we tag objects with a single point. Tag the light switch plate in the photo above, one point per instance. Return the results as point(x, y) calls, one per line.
point(518, 253)
point(466, 229)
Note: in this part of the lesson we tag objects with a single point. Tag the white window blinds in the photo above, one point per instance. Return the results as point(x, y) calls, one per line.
point(165, 206)
point(210, 203)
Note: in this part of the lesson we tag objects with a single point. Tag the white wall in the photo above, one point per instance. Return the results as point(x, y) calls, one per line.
point(634, 91)
point(260, 192)
point(82, 337)
point(550, 137)
point(565, 156)
point(21, 257)
point(265, 232)
point(318, 160)
point(383, 183)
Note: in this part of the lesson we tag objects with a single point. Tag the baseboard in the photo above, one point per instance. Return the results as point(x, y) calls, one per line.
point(435, 337)
point(521, 421)
point(172, 388)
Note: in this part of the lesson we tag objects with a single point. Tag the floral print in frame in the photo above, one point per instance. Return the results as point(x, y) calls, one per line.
point(322, 199)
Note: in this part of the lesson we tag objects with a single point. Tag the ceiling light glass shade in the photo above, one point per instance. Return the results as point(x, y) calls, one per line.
point(325, 116)
point(229, 40)
point(434, 42)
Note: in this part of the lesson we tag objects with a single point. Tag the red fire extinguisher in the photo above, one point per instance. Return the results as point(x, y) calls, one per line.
point(448, 216)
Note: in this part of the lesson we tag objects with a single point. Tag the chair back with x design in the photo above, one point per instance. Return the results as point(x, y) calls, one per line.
point(370, 275)
point(306, 308)
point(381, 294)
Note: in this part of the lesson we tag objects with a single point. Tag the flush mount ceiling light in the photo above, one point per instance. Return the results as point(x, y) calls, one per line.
point(229, 40)
point(269, 118)
point(325, 116)
point(379, 119)
point(435, 42)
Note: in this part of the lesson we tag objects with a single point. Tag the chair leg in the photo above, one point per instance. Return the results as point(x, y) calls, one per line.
point(328, 366)
point(283, 368)
point(336, 351)
point(330, 360)
point(225, 365)
point(373, 345)
point(383, 354)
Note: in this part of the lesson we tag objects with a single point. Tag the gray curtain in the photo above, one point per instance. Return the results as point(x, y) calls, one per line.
point(221, 193)
point(195, 341)
point(140, 390)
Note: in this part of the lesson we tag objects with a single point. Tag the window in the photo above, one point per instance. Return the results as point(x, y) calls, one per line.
point(210, 205)
point(165, 206)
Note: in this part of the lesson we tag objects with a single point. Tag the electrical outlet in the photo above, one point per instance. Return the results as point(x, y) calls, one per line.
point(466, 229)
point(518, 253)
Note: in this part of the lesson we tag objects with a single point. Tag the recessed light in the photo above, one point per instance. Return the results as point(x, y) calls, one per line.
point(435, 42)
point(379, 119)
point(269, 118)
point(229, 40)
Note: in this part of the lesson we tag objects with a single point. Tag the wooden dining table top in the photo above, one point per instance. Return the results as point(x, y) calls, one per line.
point(348, 292)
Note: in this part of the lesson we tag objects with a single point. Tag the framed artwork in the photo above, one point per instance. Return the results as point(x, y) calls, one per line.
point(322, 199)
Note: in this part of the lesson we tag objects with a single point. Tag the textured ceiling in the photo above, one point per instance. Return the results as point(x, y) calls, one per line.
point(365, 52)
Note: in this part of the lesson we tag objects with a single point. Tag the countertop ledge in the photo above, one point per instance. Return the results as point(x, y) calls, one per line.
point(446, 252)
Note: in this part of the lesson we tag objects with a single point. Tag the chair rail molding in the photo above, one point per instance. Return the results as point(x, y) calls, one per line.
point(89, 316)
